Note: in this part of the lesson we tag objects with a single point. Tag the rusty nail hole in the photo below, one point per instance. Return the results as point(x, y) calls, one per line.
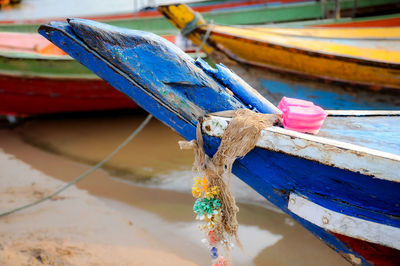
point(325, 220)
point(292, 201)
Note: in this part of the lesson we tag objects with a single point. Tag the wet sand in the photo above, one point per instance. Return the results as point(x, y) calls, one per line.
point(74, 228)
point(269, 237)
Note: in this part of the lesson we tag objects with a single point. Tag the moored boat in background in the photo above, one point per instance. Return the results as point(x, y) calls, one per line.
point(39, 78)
point(228, 13)
point(390, 20)
point(6, 3)
point(342, 185)
point(368, 57)
point(150, 18)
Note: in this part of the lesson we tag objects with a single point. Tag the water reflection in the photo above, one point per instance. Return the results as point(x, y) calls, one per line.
point(253, 238)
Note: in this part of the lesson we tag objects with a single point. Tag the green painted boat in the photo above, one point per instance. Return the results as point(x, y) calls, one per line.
point(283, 11)
point(34, 83)
point(37, 65)
point(391, 20)
point(299, 12)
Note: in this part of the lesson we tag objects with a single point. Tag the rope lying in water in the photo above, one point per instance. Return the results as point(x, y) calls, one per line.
point(85, 174)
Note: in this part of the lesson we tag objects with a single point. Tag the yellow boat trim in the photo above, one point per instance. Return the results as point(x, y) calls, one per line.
point(374, 33)
point(180, 16)
point(322, 46)
point(332, 68)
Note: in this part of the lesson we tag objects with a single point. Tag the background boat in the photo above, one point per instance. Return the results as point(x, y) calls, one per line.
point(228, 13)
point(274, 86)
point(367, 57)
point(390, 20)
point(8, 3)
point(150, 19)
point(36, 78)
point(39, 78)
point(341, 185)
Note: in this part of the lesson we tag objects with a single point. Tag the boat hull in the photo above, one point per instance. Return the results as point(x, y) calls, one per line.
point(367, 57)
point(152, 20)
point(373, 75)
point(353, 212)
point(374, 253)
point(26, 96)
point(272, 12)
point(32, 83)
point(329, 95)
point(358, 183)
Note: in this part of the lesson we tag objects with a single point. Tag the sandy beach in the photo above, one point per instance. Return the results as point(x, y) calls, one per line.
point(73, 228)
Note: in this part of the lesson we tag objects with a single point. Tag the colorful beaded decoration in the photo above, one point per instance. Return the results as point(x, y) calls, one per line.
point(208, 208)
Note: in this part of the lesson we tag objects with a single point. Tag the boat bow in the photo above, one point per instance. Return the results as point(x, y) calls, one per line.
point(301, 174)
point(159, 76)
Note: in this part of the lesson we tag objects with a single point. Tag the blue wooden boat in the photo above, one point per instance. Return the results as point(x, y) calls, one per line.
point(342, 184)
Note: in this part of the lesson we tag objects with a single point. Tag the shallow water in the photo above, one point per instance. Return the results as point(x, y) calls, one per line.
point(158, 199)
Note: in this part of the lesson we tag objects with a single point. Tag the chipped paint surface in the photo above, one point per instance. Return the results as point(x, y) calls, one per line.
point(344, 224)
point(343, 155)
point(147, 68)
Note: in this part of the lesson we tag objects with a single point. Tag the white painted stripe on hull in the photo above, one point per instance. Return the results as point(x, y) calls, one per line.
point(344, 224)
point(339, 154)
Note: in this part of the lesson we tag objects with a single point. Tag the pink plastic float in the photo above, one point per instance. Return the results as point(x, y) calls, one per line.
point(302, 116)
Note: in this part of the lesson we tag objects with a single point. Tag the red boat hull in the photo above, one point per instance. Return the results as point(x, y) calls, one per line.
point(374, 253)
point(24, 96)
point(389, 22)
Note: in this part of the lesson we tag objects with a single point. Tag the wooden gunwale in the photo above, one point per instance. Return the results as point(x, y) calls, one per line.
point(366, 158)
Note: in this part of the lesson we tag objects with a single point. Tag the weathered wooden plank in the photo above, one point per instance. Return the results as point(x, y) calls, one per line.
point(376, 163)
